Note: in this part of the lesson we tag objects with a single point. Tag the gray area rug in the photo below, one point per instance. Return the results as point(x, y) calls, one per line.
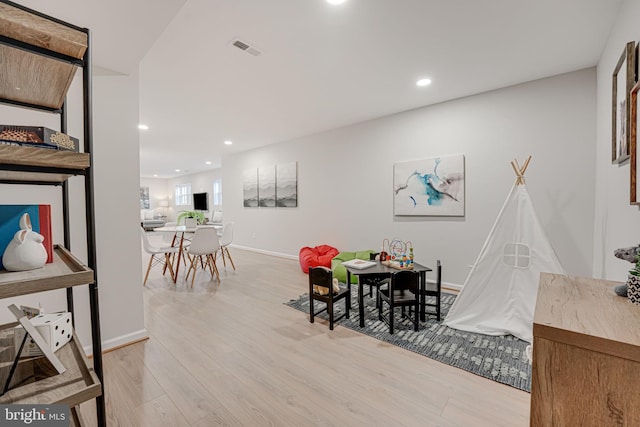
point(499, 358)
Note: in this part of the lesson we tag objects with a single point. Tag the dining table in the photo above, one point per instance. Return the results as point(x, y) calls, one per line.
point(379, 269)
point(179, 232)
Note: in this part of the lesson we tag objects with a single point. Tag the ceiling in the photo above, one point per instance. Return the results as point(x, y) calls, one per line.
point(321, 66)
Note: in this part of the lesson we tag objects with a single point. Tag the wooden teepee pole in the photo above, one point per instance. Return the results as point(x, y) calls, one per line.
point(520, 170)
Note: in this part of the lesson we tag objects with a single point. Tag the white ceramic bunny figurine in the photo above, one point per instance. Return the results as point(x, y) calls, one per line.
point(25, 251)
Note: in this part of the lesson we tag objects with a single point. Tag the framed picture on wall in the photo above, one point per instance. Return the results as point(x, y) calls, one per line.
point(624, 77)
point(429, 187)
point(634, 146)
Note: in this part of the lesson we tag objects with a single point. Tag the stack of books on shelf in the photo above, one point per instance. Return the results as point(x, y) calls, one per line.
point(37, 136)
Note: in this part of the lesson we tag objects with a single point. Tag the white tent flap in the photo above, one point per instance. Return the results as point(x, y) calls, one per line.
point(499, 294)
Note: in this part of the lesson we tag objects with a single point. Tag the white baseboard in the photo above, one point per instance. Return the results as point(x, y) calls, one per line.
point(453, 286)
point(447, 285)
point(262, 251)
point(119, 341)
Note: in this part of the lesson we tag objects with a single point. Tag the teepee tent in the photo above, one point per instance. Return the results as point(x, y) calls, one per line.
point(499, 294)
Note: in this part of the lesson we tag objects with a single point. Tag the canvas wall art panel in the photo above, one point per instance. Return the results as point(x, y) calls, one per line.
point(429, 187)
point(267, 186)
point(250, 188)
point(287, 185)
point(144, 197)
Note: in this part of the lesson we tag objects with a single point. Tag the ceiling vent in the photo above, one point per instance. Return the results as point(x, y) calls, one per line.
point(246, 47)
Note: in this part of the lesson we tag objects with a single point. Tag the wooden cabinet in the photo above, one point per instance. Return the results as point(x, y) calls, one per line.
point(39, 57)
point(586, 355)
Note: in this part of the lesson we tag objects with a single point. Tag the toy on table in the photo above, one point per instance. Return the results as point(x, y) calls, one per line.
point(398, 254)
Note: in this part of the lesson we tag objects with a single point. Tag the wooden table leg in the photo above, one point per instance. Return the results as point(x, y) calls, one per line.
point(179, 255)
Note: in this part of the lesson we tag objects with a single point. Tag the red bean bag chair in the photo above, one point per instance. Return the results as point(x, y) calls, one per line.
point(318, 256)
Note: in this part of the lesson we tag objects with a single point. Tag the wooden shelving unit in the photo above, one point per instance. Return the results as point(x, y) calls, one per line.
point(39, 57)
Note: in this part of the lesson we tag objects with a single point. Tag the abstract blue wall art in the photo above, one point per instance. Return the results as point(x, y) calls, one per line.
point(429, 187)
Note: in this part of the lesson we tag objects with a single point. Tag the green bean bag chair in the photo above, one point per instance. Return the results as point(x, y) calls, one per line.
point(340, 272)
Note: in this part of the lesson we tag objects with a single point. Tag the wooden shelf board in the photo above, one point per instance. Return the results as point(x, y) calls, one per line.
point(28, 77)
point(20, 25)
point(33, 176)
point(43, 157)
point(65, 271)
point(33, 79)
point(77, 384)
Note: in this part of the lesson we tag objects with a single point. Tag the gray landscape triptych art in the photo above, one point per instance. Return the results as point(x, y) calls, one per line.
point(271, 186)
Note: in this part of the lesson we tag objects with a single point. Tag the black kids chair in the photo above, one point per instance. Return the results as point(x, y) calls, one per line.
point(323, 277)
point(435, 290)
point(403, 291)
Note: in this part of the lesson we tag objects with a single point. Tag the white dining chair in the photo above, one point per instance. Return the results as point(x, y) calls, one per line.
point(172, 239)
point(202, 252)
point(190, 223)
point(158, 255)
point(225, 241)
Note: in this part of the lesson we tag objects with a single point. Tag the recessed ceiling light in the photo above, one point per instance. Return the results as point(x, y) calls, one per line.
point(207, 163)
point(336, 1)
point(143, 127)
point(228, 142)
point(155, 176)
point(423, 82)
point(177, 170)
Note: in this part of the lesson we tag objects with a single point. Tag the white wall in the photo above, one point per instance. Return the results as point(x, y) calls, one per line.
point(200, 183)
point(616, 222)
point(116, 171)
point(345, 195)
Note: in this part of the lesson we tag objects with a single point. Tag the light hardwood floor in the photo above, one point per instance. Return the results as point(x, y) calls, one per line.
point(231, 353)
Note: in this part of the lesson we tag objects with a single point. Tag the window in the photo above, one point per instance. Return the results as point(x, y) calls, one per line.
point(217, 192)
point(516, 255)
point(183, 194)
